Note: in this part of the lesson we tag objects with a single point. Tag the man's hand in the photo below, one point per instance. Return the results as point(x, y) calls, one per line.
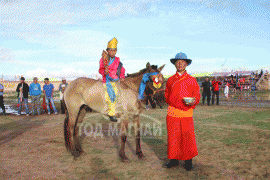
point(20, 89)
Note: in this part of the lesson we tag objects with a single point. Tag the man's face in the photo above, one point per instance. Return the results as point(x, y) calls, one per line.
point(207, 79)
point(180, 65)
point(35, 81)
point(64, 81)
point(22, 81)
point(46, 82)
point(112, 52)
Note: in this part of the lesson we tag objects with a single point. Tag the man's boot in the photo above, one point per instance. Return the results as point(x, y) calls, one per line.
point(4, 113)
point(172, 163)
point(188, 165)
point(113, 119)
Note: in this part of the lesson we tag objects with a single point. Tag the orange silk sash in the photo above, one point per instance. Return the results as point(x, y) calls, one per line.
point(174, 112)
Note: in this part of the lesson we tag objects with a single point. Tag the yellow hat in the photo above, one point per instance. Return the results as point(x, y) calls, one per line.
point(112, 44)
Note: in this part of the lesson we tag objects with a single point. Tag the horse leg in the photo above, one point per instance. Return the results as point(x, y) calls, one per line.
point(124, 125)
point(138, 138)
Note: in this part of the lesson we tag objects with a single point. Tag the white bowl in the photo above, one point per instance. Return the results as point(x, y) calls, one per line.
point(189, 100)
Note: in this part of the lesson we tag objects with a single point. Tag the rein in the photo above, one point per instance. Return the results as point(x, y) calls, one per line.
point(158, 91)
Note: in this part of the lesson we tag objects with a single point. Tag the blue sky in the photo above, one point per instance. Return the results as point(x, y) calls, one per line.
point(66, 38)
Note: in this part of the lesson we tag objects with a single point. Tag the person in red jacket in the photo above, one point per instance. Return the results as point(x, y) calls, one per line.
point(215, 84)
point(180, 125)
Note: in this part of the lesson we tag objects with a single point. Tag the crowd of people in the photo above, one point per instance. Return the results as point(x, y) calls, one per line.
point(236, 84)
point(35, 92)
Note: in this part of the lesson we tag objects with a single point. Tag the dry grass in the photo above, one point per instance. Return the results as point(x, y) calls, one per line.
point(233, 143)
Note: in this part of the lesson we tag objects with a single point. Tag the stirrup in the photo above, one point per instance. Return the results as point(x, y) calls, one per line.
point(113, 119)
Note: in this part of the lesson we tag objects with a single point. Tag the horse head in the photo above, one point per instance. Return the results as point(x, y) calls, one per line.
point(156, 81)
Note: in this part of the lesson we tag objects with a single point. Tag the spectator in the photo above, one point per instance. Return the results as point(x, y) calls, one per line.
point(2, 99)
point(260, 75)
point(233, 85)
point(226, 91)
point(206, 85)
point(48, 90)
point(35, 93)
point(215, 90)
point(23, 90)
point(238, 85)
point(62, 88)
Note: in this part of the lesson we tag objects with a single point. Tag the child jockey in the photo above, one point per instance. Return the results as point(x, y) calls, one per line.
point(111, 73)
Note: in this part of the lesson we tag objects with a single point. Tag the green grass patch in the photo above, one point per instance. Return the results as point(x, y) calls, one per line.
point(241, 160)
point(157, 145)
point(96, 151)
point(9, 126)
point(153, 141)
point(120, 176)
point(133, 173)
point(261, 147)
point(241, 118)
point(236, 137)
point(105, 171)
point(97, 161)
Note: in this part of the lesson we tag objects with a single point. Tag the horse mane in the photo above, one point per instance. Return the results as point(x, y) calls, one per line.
point(131, 80)
point(137, 73)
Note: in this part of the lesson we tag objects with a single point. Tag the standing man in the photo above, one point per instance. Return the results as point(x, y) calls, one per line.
point(226, 91)
point(111, 72)
point(215, 89)
point(62, 88)
point(206, 85)
point(2, 99)
point(180, 125)
point(48, 90)
point(23, 90)
point(35, 93)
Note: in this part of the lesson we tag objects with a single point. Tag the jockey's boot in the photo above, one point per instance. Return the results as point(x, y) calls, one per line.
point(113, 119)
point(172, 163)
point(188, 165)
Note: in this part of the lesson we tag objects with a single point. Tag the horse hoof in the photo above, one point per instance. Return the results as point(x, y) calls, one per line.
point(123, 157)
point(125, 160)
point(76, 153)
point(140, 155)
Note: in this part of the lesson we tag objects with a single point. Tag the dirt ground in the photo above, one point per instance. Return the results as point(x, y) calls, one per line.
point(36, 151)
point(33, 148)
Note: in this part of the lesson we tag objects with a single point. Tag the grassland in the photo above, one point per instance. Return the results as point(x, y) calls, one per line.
point(233, 143)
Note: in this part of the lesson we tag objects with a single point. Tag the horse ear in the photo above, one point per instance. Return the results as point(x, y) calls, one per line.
point(161, 67)
point(148, 65)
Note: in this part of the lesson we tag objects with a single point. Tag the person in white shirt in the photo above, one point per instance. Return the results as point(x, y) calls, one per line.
point(62, 88)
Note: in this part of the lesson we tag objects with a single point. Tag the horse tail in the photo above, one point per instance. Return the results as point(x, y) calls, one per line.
point(67, 134)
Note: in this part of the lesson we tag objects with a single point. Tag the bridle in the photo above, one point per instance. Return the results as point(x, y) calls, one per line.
point(156, 83)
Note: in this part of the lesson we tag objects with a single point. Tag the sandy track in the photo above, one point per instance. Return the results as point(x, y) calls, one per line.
point(37, 151)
